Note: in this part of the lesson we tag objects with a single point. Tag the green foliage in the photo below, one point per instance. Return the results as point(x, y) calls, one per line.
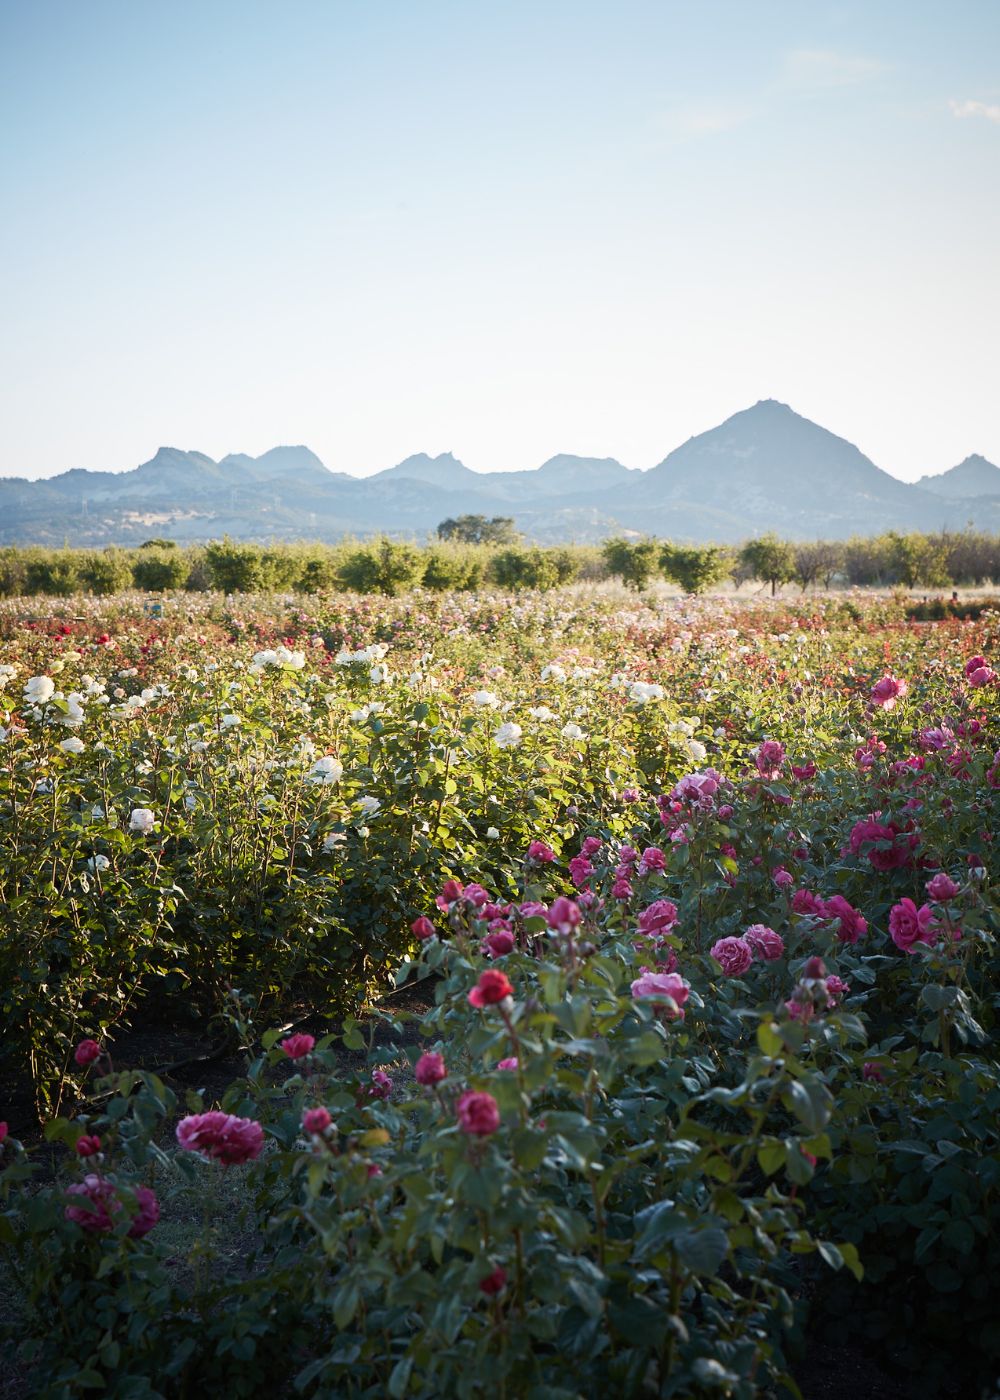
point(635, 563)
point(478, 529)
point(382, 567)
point(159, 570)
point(533, 568)
point(769, 560)
point(697, 568)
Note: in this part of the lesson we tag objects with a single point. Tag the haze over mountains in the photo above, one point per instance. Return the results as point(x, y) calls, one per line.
point(766, 468)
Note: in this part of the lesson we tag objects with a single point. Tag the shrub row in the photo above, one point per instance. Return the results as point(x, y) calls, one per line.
point(391, 567)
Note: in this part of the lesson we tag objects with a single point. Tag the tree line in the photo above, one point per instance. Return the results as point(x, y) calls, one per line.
point(488, 553)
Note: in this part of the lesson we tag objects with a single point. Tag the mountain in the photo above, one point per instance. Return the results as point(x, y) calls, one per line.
point(765, 468)
point(769, 464)
point(973, 477)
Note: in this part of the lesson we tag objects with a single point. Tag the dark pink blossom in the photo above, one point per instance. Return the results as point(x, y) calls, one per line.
point(316, 1120)
point(478, 1114)
point(733, 955)
point(430, 1069)
point(499, 942)
point(492, 987)
point(909, 925)
point(764, 942)
point(221, 1136)
point(565, 914)
point(851, 927)
point(941, 887)
point(770, 758)
point(422, 927)
point(541, 853)
point(296, 1047)
point(887, 691)
point(658, 918)
point(87, 1052)
point(104, 1204)
point(494, 1283)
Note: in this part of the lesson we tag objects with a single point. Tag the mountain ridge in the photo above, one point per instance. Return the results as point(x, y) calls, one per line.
point(764, 467)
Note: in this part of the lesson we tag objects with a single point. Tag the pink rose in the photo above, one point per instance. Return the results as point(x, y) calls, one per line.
point(532, 909)
point(941, 888)
point(221, 1136)
point(510, 1063)
point(104, 1204)
point(851, 927)
point(494, 1283)
point(805, 902)
point(887, 691)
point(87, 1052)
point(491, 988)
point(423, 928)
point(984, 675)
point(499, 942)
point(580, 870)
point(654, 986)
point(88, 1145)
point(430, 1069)
point(451, 891)
point(975, 663)
point(652, 859)
point(733, 955)
point(770, 757)
point(658, 918)
point(316, 1120)
point(804, 771)
point(764, 942)
point(297, 1046)
point(564, 914)
point(836, 989)
point(540, 853)
point(478, 1114)
point(476, 896)
point(909, 925)
point(590, 847)
point(872, 1071)
point(381, 1085)
point(782, 878)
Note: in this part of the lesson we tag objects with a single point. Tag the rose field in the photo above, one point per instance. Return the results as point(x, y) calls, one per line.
point(548, 995)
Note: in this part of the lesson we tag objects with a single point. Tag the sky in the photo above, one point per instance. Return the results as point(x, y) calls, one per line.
point(505, 230)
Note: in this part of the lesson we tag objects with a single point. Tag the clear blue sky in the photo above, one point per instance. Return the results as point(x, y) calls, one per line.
point(502, 229)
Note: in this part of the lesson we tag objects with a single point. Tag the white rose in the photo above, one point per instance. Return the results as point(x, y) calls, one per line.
point(369, 806)
point(326, 770)
point(97, 863)
point(572, 731)
point(492, 834)
point(508, 736)
point(142, 820)
point(333, 839)
point(72, 745)
point(485, 700)
point(39, 689)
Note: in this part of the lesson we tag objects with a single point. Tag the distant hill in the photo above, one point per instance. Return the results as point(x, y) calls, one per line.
point(973, 477)
point(765, 468)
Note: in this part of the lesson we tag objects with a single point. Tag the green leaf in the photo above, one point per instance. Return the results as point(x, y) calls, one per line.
point(771, 1156)
point(702, 1250)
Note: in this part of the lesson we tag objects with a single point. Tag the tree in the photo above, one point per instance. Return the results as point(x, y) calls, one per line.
point(696, 567)
point(770, 560)
point(635, 564)
point(382, 566)
point(815, 560)
point(476, 529)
